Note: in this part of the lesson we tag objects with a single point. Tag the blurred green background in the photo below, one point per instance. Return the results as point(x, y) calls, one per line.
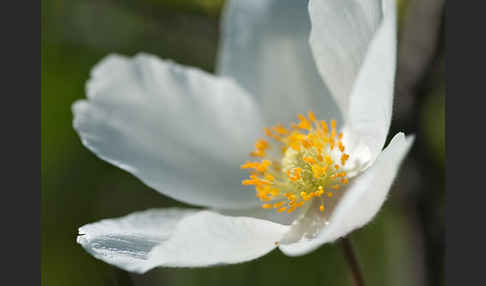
point(404, 245)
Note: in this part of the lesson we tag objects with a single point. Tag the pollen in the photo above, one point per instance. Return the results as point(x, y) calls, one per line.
point(298, 164)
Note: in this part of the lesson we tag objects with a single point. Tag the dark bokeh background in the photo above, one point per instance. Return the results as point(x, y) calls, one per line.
point(404, 245)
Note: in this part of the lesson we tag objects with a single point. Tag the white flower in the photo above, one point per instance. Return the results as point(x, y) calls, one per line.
point(185, 133)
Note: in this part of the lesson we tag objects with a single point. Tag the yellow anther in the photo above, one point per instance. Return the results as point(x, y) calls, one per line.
point(344, 158)
point(296, 176)
point(292, 198)
point(265, 163)
point(292, 209)
point(306, 144)
point(321, 208)
point(247, 165)
point(263, 197)
point(325, 129)
point(282, 209)
point(277, 205)
point(268, 132)
point(267, 206)
point(248, 182)
point(261, 144)
point(329, 195)
point(333, 129)
point(280, 129)
point(304, 123)
point(260, 167)
point(341, 146)
point(344, 181)
point(309, 160)
point(297, 137)
point(335, 187)
point(312, 117)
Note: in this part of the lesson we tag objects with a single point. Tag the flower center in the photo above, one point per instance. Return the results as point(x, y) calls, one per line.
point(298, 164)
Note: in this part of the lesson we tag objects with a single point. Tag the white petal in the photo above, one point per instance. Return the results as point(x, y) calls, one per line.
point(179, 238)
point(284, 218)
point(357, 206)
point(360, 154)
point(265, 47)
point(180, 130)
point(371, 101)
point(340, 35)
point(127, 241)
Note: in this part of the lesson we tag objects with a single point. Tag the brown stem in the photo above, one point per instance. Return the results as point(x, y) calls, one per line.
point(352, 260)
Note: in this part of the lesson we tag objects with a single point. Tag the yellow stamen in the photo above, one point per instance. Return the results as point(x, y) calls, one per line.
point(277, 205)
point(308, 167)
point(300, 204)
point(325, 129)
point(280, 129)
point(311, 115)
point(268, 132)
point(341, 146)
point(304, 123)
point(333, 129)
point(261, 144)
point(292, 209)
point(344, 158)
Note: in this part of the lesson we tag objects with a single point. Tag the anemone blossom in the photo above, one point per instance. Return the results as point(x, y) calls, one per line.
point(190, 135)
